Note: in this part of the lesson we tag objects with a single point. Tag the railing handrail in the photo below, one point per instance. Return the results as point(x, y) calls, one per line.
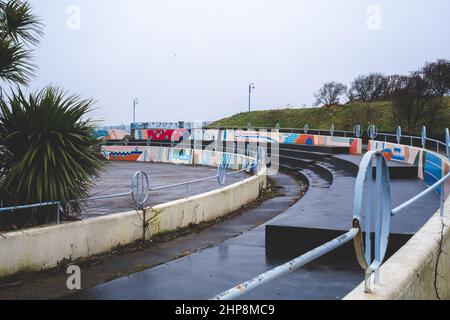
point(117, 195)
point(318, 130)
point(287, 267)
point(382, 223)
point(422, 194)
point(29, 206)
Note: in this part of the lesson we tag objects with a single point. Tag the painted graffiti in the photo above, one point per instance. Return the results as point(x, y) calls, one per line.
point(159, 134)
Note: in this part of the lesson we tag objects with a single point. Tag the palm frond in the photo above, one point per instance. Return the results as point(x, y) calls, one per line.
point(15, 62)
point(50, 151)
point(18, 22)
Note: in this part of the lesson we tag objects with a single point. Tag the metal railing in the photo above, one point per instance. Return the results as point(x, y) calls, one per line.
point(140, 187)
point(370, 257)
point(372, 134)
point(439, 184)
point(35, 205)
point(245, 287)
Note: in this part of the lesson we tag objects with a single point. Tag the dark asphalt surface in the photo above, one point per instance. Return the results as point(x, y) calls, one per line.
point(330, 206)
point(213, 270)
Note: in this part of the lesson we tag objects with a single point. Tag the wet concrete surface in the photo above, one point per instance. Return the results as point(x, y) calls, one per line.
point(52, 284)
point(330, 206)
point(117, 179)
point(397, 169)
point(213, 270)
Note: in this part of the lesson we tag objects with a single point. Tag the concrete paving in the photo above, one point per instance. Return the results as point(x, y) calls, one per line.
point(52, 284)
point(116, 179)
point(327, 205)
point(330, 206)
point(326, 212)
point(210, 271)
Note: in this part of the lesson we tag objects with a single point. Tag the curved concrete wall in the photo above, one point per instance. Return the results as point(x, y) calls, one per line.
point(421, 268)
point(42, 248)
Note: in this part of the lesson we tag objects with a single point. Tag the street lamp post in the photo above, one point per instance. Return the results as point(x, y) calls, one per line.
point(135, 102)
point(251, 87)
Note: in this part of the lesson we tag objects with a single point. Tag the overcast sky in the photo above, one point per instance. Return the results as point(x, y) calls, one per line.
point(194, 59)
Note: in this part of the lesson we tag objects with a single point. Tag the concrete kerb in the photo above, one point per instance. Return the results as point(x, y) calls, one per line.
point(418, 270)
point(46, 247)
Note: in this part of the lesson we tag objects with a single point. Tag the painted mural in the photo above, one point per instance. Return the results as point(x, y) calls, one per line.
point(248, 135)
point(210, 135)
point(117, 134)
point(159, 134)
point(397, 152)
point(121, 153)
point(354, 144)
point(111, 134)
point(149, 154)
point(100, 134)
point(173, 155)
point(431, 167)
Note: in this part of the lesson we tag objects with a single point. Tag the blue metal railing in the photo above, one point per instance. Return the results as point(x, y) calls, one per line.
point(372, 133)
point(35, 205)
point(140, 188)
point(362, 203)
point(288, 267)
point(368, 260)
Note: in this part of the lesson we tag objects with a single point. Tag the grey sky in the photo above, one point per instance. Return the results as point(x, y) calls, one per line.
point(194, 59)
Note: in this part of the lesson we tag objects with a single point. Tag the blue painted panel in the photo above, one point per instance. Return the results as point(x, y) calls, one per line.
point(432, 169)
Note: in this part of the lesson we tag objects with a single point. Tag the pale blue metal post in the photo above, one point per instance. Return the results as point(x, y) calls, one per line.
point(58, 213)
point(251, 87)
point(135, 102)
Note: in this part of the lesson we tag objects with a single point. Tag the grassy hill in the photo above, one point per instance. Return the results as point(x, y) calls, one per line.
point(344, 117)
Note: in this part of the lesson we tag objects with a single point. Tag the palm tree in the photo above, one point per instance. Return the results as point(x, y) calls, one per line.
point(47, 148)
point(19, 30)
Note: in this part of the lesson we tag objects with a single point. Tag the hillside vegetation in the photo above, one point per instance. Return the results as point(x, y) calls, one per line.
point(344, 117)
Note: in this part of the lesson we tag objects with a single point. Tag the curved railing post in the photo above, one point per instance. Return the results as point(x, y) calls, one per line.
point(357, 131)
point(332, 130)
point(140, 188)
point(399, 134)
point(424, 137)
point(368, 258)
point(372, 132)
point(221, 173)
point(447, 143)
point(306, 129)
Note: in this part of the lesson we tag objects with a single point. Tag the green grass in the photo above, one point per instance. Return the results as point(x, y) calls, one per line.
point(344, 117)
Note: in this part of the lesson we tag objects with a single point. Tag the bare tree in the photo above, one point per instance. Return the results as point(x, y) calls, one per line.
point(390, 84)
point(330, 93)
point(367, 87)
point(415, 101)
point(438, 74)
